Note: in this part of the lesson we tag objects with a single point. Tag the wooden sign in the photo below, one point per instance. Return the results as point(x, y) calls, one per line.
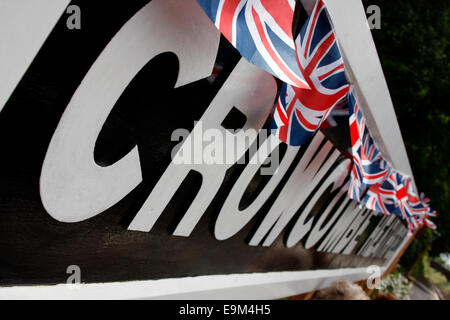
point(97, 138)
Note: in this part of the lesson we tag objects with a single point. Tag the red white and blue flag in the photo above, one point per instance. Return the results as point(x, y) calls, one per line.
point(299, 112)
point(405, 198)
point(261, 30)
point(381, 198)
point(396, 195)
point(423, 212)
point(369, 166)
point(425, 201)
point(312, 70)
point(423, 221)
point(384, 198)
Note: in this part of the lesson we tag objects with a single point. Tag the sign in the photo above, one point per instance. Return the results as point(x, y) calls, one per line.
point(92, 176)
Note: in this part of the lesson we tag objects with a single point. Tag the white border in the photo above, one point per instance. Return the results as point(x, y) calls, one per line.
point(272, 285)
point(364, 71)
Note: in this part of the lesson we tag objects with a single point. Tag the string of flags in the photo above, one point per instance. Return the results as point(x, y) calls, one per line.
point(386, 190)
point(312, 69)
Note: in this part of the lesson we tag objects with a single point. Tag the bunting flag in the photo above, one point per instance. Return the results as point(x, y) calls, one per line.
point(261, 30)
point(425, 201)
point(388, 191)
point(405, 200)
point(300, 112)
point(396, 195)
point(422, 206)
point(422, 219)
point(387, 198)
point(381, 198)
point(312, 70)
point(369, 167)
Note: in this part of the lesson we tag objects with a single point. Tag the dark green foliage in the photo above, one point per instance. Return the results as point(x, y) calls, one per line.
point(417, 247)
point(413, 45)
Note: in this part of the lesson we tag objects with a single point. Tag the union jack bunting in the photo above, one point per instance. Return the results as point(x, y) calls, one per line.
point(423, 221)
point(299, 112)
point(312, 69)
point(380, 198)
point(396, 195)
point(416, 206)
point(261, 30)
point(422, 211)
point(425, 201)
point(369, 166)
point(406, 200)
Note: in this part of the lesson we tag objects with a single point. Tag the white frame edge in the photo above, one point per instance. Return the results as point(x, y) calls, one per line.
point(364, 71)
point(272, 285)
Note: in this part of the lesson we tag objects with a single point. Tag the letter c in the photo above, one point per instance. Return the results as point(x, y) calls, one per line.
point(73, 187)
